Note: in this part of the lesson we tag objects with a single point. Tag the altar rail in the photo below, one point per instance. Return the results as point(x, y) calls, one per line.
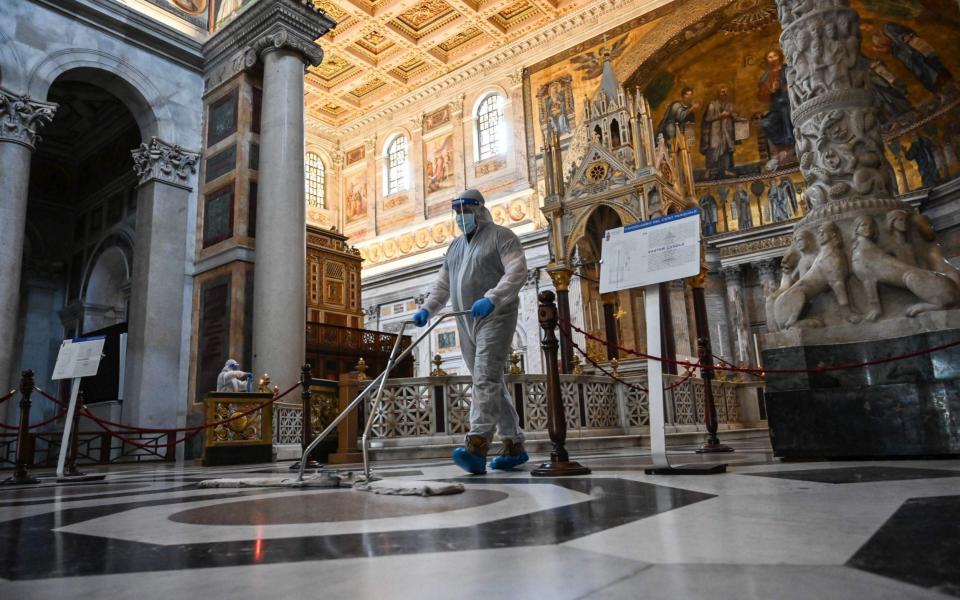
point(436, 407)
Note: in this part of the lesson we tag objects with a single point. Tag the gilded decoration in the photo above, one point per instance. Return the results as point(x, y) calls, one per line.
point(368, 87)
point(438, 235)
point(780, 241)
point(425, 13)
point(462, 37)
point(324, 405)
point(233, 426)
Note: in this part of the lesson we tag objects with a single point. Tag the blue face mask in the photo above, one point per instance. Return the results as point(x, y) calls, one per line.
point(467, 222)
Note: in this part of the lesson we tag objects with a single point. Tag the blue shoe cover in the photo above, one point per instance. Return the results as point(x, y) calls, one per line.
point(506, 462)
point(471, 463)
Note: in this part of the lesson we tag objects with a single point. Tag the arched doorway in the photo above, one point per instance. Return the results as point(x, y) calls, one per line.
point(81, 206)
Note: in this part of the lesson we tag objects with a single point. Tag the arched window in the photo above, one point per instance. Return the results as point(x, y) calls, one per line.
point(397, 165)
point(314, 176)
point(490, 136)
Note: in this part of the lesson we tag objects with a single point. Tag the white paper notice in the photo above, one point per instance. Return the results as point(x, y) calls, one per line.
point(651, 252)
point(79, 357)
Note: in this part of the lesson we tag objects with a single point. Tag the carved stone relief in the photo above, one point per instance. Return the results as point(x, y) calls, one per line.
point(866, 236)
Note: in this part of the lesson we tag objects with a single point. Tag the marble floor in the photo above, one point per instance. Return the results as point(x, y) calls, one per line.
point(765, 529)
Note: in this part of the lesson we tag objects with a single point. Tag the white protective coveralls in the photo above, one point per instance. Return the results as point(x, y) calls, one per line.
point(492, 265)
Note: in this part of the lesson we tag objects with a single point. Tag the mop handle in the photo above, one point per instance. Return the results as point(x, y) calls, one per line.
point(375, 384)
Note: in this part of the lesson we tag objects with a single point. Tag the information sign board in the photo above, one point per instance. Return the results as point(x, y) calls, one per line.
point(79, 357)
point(651, 252)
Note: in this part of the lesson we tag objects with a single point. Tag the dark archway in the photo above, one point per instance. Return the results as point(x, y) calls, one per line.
point(82, 213)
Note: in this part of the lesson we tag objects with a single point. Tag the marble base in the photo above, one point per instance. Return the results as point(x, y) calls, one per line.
point(908, 407)
point(237, 455)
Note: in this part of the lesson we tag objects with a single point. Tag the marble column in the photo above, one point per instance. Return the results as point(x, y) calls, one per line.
point(279, 297)
point(741, 336)
point(681, 318)
point(769, 271)
point(20, 118)
point(167, 174)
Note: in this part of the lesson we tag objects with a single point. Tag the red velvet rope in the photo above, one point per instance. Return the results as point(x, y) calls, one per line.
point(191, 431)
point(760, 371)
point(105, 424)
point(675, 384)
point(40, 424)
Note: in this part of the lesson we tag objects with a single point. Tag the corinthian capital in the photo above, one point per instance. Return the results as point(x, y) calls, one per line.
point(283, 39)
point(169, 163)
point(21, 117)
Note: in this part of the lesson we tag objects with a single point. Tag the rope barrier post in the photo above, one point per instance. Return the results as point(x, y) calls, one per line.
point(306, 429)
point(705, 355)
point(24, 451)
point(560, 463)
point(561, 283)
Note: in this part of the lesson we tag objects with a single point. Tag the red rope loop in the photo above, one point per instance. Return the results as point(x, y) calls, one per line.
point(760, 371)
point(35, 426)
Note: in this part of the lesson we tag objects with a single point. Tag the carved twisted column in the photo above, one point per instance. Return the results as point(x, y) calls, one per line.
point(851, 188)
point(20, 119)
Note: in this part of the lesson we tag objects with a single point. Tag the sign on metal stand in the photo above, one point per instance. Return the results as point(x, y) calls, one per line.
point(644, 255)
point(78, 358)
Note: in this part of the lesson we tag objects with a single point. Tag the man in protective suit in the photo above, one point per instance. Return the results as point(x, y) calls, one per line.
point(483, 272)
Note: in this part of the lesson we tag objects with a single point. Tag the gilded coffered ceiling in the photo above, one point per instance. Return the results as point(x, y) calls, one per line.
point(382, 49)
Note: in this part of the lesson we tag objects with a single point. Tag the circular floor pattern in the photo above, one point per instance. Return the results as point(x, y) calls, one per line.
point(325, 507)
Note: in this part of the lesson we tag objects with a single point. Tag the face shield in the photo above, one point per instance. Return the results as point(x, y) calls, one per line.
point(465, 213)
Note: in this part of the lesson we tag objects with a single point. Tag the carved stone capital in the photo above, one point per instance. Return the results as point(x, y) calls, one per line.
point(768, 269)
point(264, 27)
point(733, 276)
point(169, 163)
point(456, 107)
point(515, 77)
point(370, 144)
point(282, 39)
point(21, 117)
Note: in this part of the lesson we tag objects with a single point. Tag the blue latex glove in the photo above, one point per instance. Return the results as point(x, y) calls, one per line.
point(481, 308)
point(421, 317)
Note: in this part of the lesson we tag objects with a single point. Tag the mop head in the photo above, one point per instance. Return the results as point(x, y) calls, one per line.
point(407, 487)
point(323, 479)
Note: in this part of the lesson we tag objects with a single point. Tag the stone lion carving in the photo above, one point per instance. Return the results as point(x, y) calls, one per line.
point(932, 257)
point(872, 266)
point(794, 265)
point(829, 271)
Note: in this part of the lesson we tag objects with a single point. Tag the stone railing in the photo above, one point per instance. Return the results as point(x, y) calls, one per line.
point(436, 406)
point(432, 410)
point(287, 423)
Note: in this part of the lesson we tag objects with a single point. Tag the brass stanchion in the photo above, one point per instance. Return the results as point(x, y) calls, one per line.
point(24, 448)
point(560, 463)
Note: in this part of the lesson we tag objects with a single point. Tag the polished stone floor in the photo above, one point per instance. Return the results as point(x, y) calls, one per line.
point(765, 529)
